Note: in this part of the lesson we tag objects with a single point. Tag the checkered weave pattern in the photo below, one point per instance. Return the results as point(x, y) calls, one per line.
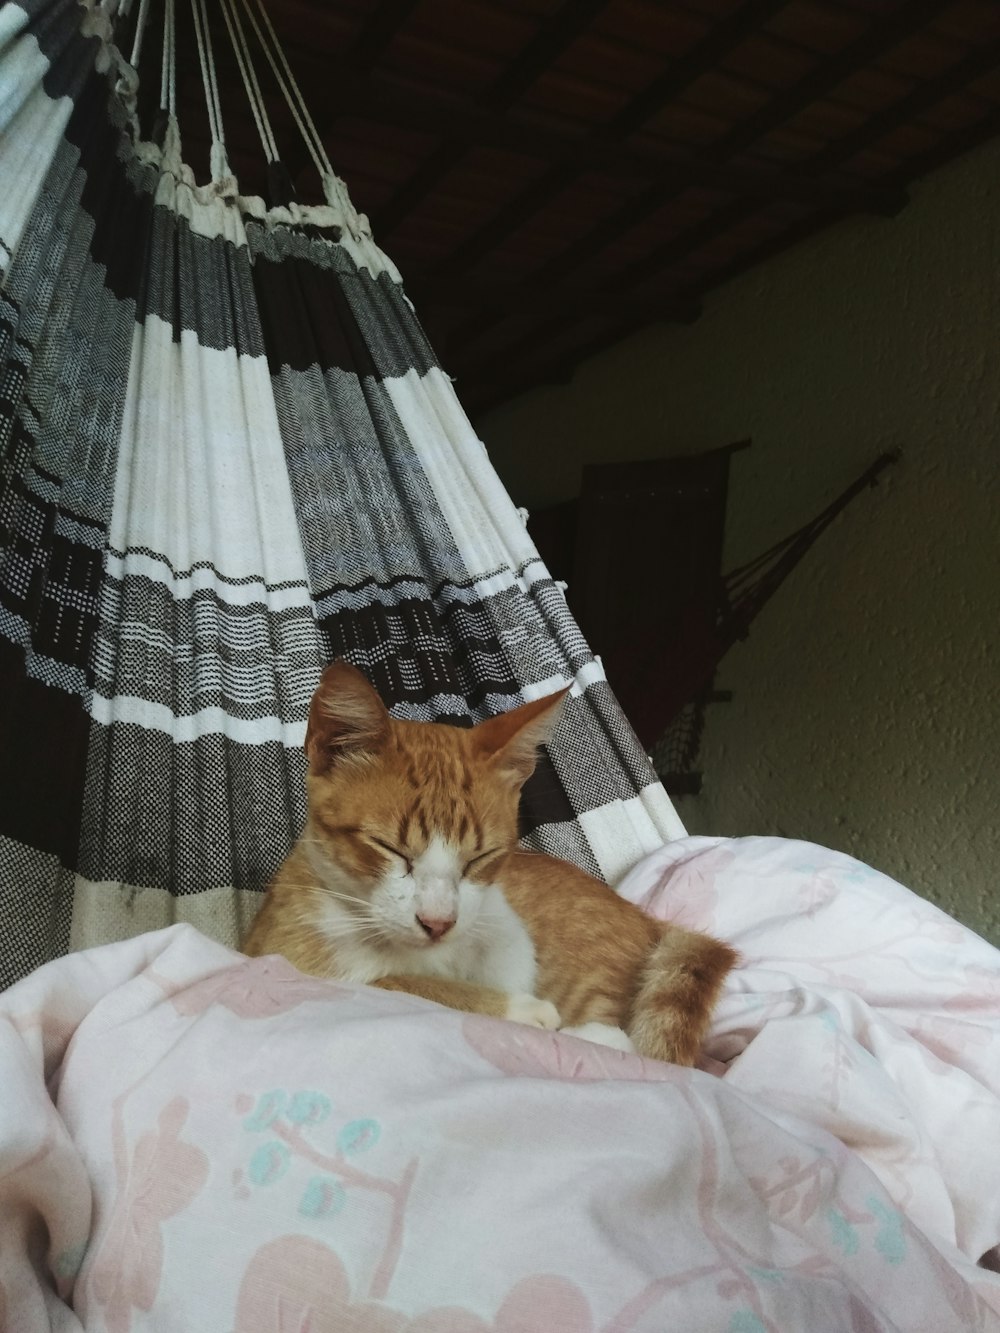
point(227, 455)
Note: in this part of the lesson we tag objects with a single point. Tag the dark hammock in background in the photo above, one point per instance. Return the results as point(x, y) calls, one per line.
point(228, 455)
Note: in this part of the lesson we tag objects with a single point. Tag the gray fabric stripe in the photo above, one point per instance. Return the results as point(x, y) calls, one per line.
point(36, 909)
point(365, 508)
point(188, 817)
point(566, 841)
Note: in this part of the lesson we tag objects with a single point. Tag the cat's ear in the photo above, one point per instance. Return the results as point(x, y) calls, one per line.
point(513, 738)
point(346, 718)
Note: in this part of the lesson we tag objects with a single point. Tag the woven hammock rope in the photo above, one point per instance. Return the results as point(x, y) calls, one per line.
point(229, 455)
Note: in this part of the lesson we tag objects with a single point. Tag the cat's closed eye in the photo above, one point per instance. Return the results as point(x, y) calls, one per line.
point(481, 859)
point(393, 851)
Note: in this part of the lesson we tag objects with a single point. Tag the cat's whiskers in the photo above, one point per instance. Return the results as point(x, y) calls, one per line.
point(351, 922)
point(353, 930)
point(348, 928)
point(330, 893)
point(346, 897)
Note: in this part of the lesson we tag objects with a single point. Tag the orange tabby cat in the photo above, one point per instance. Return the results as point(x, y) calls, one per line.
point(407, 876)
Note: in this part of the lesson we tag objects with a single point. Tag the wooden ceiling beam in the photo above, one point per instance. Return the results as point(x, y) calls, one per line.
point(528, 201)
point(812, 87)
point(386, 101)
point(427, 290)
point(988, 127)
point(724, 38)
point(482, 388)
point(963, 141)
point(553, 37)
point(928, 93)
point(558, 32)
point(880, 37)
point(555, 34)
point(760, 187)
point(377, 30)
point(837, 152)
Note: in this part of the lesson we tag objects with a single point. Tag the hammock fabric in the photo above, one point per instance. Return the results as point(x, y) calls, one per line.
point(229, 455)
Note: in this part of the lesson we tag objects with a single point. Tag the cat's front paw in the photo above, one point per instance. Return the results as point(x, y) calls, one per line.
point(533, 1011)
point(603, 1034)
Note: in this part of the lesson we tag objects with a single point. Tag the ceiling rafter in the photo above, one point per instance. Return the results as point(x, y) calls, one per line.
point(950, 147)
point(680, 74)
point(504, 298)
point(977, 64)
point(376, 32)
point(554, 36)
point(385, 101)
point(512, 295)
point(837, 152)
point(880, 38)
point(562, 30)
point(484, 388)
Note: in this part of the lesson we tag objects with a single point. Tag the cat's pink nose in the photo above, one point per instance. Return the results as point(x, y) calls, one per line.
point(436, 927)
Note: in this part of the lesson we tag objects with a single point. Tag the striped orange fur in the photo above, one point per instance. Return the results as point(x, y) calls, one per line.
point(408, 876)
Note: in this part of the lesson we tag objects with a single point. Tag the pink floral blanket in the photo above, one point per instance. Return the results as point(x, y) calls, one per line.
point(191, 1140)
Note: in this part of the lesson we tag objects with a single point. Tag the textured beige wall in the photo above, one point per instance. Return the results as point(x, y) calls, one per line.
point(867, 700)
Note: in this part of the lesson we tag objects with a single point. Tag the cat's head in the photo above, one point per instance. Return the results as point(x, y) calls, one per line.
point(410, 821)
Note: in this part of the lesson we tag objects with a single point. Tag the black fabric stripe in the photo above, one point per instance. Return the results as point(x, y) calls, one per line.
point(43, 742)
point(306, 319)
point(318, 309)
point(413, 623)
point(56, 29)
point(49, 581)
point(248, 580)
point(150, 256)
point(406, 673)
point(543, 798)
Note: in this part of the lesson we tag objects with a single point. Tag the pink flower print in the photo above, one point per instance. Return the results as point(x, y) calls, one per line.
point(963, 1043)
point(161, 1179)
point(258, 988)
point(686, 892)
point(298, 1285)
point(815, 893)
point(552, 1303)
point(980, 993)
point(448, 1320)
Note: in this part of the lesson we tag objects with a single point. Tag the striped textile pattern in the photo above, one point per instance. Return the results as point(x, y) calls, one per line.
point(227, 455)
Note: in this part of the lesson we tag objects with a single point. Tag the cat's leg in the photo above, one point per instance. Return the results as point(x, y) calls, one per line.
point(602, 1034)
point(473, 999)
point(529, 1009)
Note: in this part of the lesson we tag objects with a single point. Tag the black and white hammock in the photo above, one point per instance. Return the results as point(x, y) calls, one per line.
point(229, 455)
